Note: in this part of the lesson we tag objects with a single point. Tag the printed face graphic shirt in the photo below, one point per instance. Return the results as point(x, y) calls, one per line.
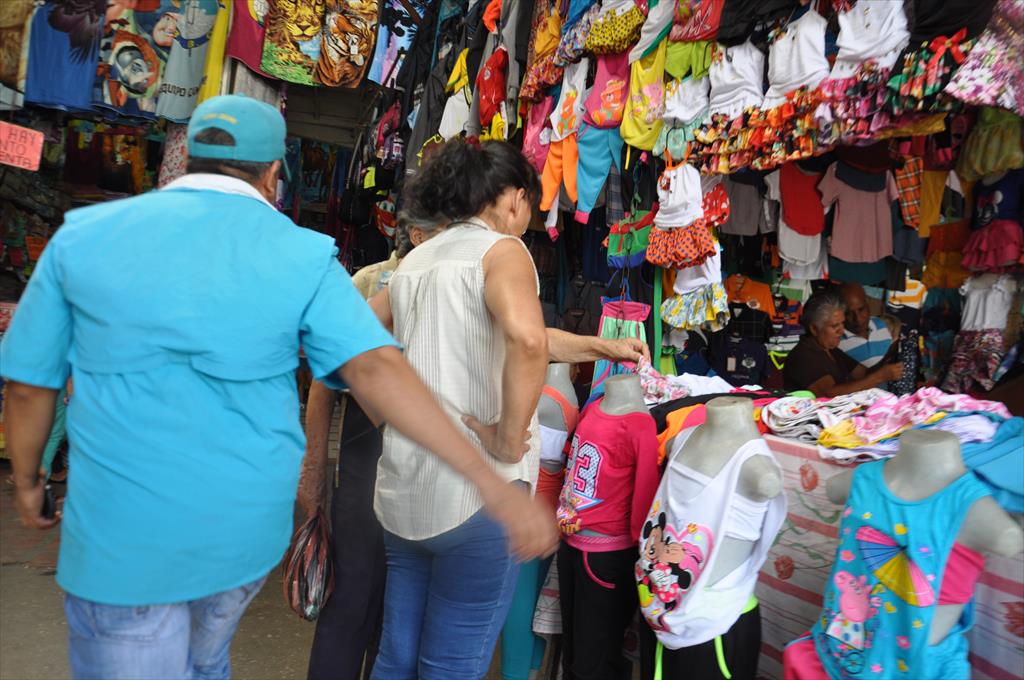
point(611, 475)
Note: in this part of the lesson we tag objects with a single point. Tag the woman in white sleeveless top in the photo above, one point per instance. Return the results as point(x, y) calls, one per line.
point(464, 304)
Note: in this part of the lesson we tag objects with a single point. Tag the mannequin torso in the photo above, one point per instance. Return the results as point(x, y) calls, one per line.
point(730, 425)
point(928, 462)
point(622, 395)
point(549, 411)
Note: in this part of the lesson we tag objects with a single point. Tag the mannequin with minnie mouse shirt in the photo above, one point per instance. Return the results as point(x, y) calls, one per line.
point(715, 515)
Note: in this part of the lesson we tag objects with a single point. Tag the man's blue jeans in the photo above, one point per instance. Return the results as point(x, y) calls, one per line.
point(185, 641)
point(445, 602)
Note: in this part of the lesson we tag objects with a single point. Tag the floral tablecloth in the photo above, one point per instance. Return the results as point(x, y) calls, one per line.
point(793, 579)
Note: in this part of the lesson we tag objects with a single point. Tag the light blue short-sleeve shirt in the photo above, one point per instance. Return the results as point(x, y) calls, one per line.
point(180, 315)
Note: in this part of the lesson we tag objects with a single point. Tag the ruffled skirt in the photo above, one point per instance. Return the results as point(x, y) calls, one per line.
point(702, 308)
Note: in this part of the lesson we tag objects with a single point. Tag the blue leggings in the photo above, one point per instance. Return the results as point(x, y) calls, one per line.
point(599, 150)
point(521, 649)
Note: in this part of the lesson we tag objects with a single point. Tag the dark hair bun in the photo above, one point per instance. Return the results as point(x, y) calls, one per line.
point(462, 178)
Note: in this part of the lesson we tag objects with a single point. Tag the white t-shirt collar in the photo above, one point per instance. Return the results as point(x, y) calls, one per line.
point(214, 182)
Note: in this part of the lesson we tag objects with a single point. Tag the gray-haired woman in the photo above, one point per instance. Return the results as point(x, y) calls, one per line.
point(818, 365)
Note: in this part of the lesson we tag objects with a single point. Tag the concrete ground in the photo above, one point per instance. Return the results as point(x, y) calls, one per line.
point(271, 643)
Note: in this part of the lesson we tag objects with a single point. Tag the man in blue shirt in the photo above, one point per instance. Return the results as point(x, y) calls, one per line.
point(866, 339)
point(180, 314)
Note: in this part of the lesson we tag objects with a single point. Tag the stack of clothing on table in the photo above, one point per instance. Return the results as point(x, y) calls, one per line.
point(804, 418)
point(872, 433)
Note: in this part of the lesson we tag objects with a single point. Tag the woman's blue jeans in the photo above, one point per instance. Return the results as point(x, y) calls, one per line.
point(445, 602)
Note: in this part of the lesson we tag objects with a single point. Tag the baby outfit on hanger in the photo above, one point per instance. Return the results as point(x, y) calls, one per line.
point(700, 300)
point(896, 561)
point(737, 79)
point(979, 347)
point(599, 142)
point(796, 59)
point(563, 155)
point(641, 122)
point(691, 516)
point(686, 109)
point(875, 30)
point(681, 237)
point(795, 247)
point(998, 238)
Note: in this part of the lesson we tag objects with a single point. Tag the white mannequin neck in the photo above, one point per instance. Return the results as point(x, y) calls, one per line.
point(728, 425)
point(928, 461)
point(622, 395)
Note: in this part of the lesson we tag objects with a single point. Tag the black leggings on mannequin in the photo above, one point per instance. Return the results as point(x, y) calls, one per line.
point(741, 647)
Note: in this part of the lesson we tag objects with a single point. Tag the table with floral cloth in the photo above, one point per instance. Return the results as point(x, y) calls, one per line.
point(793, 578)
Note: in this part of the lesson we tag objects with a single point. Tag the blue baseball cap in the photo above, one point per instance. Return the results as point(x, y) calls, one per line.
point(258, 129)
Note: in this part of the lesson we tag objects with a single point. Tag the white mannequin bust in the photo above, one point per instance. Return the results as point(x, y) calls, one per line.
point(929, 461)
point(622, 395)
point(728, 426)
point(549, 411)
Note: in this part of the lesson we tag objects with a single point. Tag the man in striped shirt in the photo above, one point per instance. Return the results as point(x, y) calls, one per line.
point(866, 338)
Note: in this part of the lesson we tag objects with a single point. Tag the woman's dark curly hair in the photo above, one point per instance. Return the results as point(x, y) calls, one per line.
point(462, 178)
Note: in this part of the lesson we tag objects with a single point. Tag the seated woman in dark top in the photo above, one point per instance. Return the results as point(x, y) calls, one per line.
point(817, 364)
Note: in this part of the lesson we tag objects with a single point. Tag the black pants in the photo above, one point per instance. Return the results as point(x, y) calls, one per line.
point(348, 628)
point(741, 647)
point(598, 599)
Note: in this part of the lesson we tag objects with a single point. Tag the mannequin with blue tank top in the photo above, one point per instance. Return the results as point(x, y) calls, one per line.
point(883, 613)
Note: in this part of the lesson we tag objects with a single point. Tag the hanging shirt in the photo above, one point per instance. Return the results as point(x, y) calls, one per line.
point(1000, 200)
point(186, 63)
point(347, 47)
point(888, 569)
point(291, 46)
point(870, 30)
point(987, 302)
point(797, 58)
point(679, 197)
point(396, 32)
point(213, 72)
point(568, 113)
point(642, 120)
point(754, 294)
point(61, 63)
point(133, 53)
point(794, 247)
point(862, 229)
point(607, 101)
point(737, 79)
point(690, 518)
point(245, 41)
point(801, 200)
point(610, 478)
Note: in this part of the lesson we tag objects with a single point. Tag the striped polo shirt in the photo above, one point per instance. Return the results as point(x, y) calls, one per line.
point(869, 351)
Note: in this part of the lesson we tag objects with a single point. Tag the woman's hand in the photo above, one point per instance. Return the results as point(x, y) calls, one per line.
point(892, 371)
point(625, 349)
point(531, 527)
point(505, 447)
